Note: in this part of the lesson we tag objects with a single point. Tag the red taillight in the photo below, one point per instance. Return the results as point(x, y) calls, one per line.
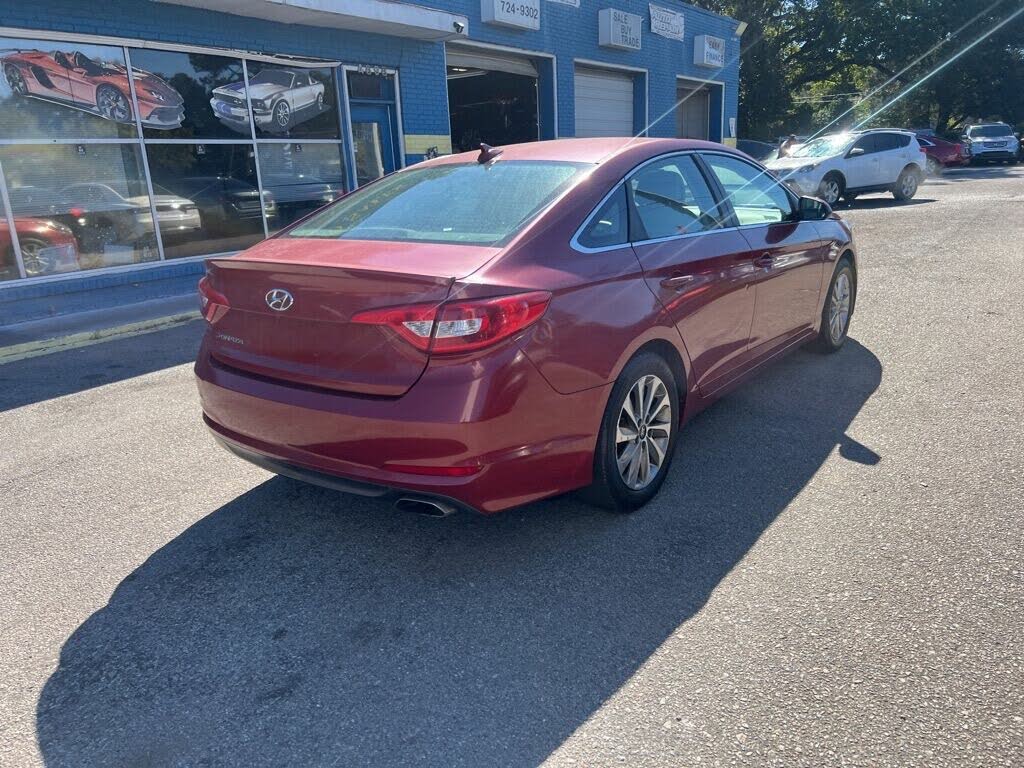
point(76, 212)
point(212, 303)
point(460, 326)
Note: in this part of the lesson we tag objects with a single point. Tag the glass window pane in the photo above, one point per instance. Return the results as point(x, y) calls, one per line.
point(369, 151)
point(206, 197)
point(205, 97)
point(367, 86)
point(449, 203)
point(53, 90)
point(671, 198)
point(611, 224)
point(300, 178)
point(96, 193)
point(294, 102)
point(757, 197)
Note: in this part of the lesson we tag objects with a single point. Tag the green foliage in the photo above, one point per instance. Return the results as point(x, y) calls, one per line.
point(809, 65)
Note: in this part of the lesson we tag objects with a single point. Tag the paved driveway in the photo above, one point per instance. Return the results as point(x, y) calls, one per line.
point(832, 575)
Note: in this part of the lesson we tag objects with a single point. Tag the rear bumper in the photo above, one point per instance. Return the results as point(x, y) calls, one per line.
point(496, 413)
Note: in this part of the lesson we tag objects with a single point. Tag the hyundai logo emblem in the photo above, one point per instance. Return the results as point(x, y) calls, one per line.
point(279, 300)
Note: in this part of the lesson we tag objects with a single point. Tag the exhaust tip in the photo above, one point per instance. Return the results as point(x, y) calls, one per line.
point(424, 506)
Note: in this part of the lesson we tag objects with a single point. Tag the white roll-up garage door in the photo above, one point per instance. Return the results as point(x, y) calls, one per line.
point(604, 103)
point(490, 62)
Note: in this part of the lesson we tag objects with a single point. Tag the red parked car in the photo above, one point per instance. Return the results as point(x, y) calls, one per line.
point(483, 331)
point(943, 154)
point(101, 87)
point(47, 247)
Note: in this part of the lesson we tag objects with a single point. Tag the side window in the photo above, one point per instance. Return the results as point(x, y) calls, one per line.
point(886, 142)
point(867, 143)
point(757, 197)
point(671, 197)
point(903, 140)
point(611, 224)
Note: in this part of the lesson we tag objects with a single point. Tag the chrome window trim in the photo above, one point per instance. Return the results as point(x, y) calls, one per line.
point(575, 244)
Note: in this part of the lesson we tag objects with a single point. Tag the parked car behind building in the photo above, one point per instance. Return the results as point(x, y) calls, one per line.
point(942, 154)
point(845, 165)
point(991, 142)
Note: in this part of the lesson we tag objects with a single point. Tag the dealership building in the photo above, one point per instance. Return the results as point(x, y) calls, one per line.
point(138, 138)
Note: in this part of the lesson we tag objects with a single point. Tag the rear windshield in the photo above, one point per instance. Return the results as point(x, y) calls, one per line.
point(468, 203)
point(990, 131)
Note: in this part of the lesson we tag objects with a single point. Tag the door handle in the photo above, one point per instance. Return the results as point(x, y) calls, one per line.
point(764, 261)
point(677, 282)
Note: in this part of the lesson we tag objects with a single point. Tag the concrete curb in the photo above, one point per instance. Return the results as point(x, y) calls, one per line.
point(37, 348)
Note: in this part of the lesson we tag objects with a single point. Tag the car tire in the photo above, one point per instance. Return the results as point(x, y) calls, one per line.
point(831, 188)
point(281, 115)
point(934, 167)
point(835, 324)
point(319, 102)
point(907, 184)
point(620, 483)
point(16, 80)
point(35, 263)
point(112, 104)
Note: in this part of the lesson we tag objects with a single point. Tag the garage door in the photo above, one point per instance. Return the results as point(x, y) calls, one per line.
point(604, 103)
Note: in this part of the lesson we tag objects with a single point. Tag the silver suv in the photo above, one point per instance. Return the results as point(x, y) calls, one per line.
point(991, 142)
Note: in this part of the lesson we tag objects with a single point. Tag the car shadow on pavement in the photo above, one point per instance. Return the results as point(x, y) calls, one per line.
point(884, 202)
point(74, 370)
point(293, 626)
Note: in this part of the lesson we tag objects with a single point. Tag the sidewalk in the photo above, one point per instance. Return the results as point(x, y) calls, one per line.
point(81, 329)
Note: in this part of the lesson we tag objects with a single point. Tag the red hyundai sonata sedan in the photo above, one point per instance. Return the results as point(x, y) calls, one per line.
point(483, 330)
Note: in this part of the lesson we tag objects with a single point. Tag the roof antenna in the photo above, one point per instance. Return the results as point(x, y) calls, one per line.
point(488, 153)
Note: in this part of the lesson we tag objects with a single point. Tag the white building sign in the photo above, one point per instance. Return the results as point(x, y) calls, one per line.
point(708, 51)
point(522, 14)
point(666, 22)
point(618, 29)
point(573, 3)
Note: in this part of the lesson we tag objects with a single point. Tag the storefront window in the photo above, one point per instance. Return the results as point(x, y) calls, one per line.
point(82, 194)
point(300, 178)
point(64, 91)
point(94, 193)
point(293, 102)
point(205, 97)
point(207, 197)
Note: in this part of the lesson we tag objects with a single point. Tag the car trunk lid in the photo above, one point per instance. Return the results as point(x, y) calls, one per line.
point(311, 339)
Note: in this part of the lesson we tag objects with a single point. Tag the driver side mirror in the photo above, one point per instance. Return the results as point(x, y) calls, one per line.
point(813, 209)
point(856, 152)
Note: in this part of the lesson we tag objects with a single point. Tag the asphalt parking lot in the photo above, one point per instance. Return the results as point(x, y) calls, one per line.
point(832, 575)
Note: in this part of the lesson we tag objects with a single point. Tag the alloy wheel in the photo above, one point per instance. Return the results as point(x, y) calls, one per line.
point(829, 191)
point(839, 307)
point(33, 259)
point(643, 431)
point(909, 186)
point(113, 105)
point(16, 80)
point(282, 114)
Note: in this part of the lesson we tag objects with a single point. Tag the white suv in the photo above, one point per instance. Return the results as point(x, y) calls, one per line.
point(845, 165)
point(990, 142)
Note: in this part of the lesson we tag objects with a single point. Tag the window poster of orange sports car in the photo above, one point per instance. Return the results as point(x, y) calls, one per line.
point(78, 91)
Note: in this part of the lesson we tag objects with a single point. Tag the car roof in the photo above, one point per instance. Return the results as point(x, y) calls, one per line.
point(596, 150)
